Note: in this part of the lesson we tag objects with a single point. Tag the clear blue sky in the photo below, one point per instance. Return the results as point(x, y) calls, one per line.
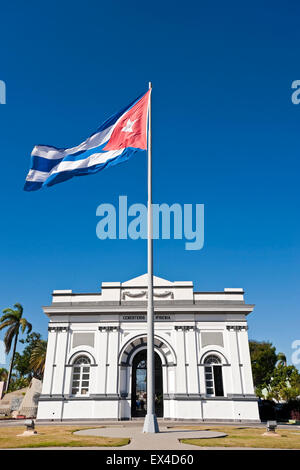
point(225, 134)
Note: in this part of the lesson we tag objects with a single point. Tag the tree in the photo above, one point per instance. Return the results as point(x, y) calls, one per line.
point(263, 360)
point(3, 374)
point(13, 320)
point(284, 384)
point(28, 363)
point(38, 358)
point(18, 383)
point(22, 365)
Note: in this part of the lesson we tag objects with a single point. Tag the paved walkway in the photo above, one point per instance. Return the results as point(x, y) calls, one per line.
point(140, 422)
point(166, 439)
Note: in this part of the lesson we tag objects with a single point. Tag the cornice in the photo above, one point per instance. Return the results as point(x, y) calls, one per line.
point(171, 308)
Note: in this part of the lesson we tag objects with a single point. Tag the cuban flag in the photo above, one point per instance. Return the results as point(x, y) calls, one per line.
point(114, 142)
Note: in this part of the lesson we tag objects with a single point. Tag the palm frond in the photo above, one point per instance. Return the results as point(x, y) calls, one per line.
point(25, 325)
point(9, 336)
point(5, 324)
point(8, 310)
point(9, 316)
point(18, 311)
point(38, 356)
point(19, 308)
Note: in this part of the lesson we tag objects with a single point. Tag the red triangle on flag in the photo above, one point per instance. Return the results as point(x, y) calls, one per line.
point(131, 128)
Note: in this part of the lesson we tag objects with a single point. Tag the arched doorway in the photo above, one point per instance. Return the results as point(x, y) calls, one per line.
point(139, 385)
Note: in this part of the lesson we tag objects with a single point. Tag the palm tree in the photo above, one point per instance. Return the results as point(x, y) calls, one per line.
point(38, 357)
point(13, 321)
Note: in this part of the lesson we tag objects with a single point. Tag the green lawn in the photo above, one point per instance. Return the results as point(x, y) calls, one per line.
point(54, 436)
point(248, 437)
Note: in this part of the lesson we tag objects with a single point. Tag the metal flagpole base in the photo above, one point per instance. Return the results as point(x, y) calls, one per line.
point(150, 424)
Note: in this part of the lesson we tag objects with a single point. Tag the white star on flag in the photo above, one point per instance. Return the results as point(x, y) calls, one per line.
point(128, 126)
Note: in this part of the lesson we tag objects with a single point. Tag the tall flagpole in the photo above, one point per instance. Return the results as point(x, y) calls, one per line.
point(150, 424)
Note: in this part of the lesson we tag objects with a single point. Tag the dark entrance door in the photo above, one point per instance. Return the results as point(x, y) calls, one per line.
point(139, 385)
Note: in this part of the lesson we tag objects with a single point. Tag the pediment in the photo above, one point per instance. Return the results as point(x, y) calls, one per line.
point(142, 281)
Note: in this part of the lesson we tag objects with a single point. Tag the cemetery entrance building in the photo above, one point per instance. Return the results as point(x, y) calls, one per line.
point(96, 363)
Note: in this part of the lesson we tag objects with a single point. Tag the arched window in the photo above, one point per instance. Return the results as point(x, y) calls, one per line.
point(213, 376)
point(81, 376)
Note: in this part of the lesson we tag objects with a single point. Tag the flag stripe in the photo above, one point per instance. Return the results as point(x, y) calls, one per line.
point(93, 167)
point(53, 153)
point(44, 164)
point(37, 176)
point(92, 160)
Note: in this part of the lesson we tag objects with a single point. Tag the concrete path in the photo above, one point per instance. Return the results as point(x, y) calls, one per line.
point(140, 422)
point(166, 439)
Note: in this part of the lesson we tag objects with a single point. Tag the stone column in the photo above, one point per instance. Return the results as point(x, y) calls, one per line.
point(192, 357)
point(246, 361)
point(234, 359)
point(112, 361)
point(60, 361)
point(181, 379)
point(102, 353)
point(50, 361)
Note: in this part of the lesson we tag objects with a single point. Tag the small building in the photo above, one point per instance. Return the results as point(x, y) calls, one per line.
point(29, 405)
point(96, 364)
point(22, 402)
point(11, 402)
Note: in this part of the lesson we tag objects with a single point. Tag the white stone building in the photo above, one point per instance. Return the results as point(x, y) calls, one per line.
point(96, 356)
